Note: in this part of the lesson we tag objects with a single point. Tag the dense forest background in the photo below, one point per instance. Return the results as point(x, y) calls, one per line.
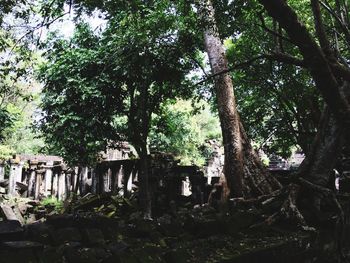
point(78, 76)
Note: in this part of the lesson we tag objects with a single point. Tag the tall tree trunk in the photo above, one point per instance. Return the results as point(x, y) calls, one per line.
point(143, 177)
point(244, 173)
point(139, 122)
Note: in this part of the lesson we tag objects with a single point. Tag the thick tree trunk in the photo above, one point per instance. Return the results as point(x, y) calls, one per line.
point(244, 173)
point(324, 152)
point(322, 158)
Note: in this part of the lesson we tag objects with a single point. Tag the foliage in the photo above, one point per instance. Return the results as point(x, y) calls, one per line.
point(181, 130)
point(19, 21)
point(52, 203)
point(276, 101)
point(5, 152)
point(97, 79)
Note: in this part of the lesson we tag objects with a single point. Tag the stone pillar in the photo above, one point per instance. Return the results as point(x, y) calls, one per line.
point(38, 184)
point(15, 169)
point(121, 173)
point(83, 180)
point(54, 189)
point(2, 170)
point(129, 172)
point(33, 165)
point(114, 181)
point(106, 180)
point(94, 181)
point(62, 185)
point(20, 172)
point(69, 188)
point(48, 179)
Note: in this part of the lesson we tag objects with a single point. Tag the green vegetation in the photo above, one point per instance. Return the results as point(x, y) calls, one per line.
point(280, 80)
point(51, 203)
point(183, 130)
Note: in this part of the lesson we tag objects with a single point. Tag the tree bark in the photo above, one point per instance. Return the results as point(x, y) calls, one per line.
point(139, 121)
point(143, 177)
point(245, 175)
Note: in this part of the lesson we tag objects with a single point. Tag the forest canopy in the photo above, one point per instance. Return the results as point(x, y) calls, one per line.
point(274, 74)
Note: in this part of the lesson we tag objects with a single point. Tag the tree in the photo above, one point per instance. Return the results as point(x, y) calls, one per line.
point(330, 71)
point(243, 170)
point(119, 77)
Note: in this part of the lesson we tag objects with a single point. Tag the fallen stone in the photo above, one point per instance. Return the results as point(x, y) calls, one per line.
point(8, 213)
point(59, 221)
point(2, 190)
point(4, 183)
point(21, 187)
point(117, 248)
point(18, 215)
point(68, 234)
point(10, 230)
point(93, 236)
point(30, 219)
point(84, 255)
point(40, 232)
point(177, 256)
point(23, 207)
point(14, 245)
point(52, 255)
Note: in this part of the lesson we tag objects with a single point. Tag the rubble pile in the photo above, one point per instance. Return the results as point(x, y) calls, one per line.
point(25, 210)
point(106, 228)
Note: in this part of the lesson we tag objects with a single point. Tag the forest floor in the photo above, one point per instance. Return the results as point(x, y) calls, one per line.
point(110, 229)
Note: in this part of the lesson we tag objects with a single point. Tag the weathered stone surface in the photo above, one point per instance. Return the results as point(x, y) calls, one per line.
point(18, 215)
point(117, 248)
point(73, 254)
point(14, 245)
point(68, 234)
point(61, 220)
point(40, 232)
point(52, 255)
point(8, 213)
point(177, 256)
point(4, 183)
point(93, 236)
point(10, 230)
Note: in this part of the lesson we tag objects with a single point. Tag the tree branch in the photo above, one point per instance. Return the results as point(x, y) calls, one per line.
point(340, 70)
point(265, 27)
point(344, 28)
point(277, 56)
point(320, 31)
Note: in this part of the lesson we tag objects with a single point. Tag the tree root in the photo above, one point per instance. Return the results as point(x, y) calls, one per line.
point(340, 224)
point(289, 210)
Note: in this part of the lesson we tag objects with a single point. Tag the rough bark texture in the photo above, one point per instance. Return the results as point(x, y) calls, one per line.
point(244, 173)
point(143, 177)
point(324, 152)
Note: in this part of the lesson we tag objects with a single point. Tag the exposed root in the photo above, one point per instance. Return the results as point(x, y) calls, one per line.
point(289, 210)
point(262, 199)
point(340, 224)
